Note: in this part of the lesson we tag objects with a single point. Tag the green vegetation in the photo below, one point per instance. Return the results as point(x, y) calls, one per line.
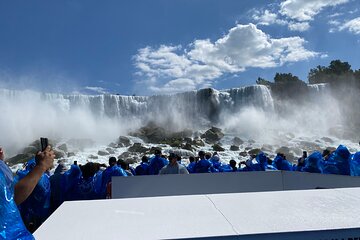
point(338, 75)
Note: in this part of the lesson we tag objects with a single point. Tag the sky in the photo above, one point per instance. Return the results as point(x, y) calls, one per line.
point(152, 47)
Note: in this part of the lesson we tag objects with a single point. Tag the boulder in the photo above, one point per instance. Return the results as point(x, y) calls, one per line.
point(251, 141)
point(93, 157)
point(327, 140)
point(188, 146)
point(183, 152)
point(216, 147)
point(124, 155)
point(137, 147)
point(63, 147)
point(103, 153)
point(266, 148)
point(213, 135)
point(71, 154)
point(113, 145)
point(30, 150)
point(234, 148)
point(110, 150)
point(237, 141)
point(284, 150)
point(20, 158)
point(59, 154)
point(243, 154)
point(151, 133)
point(198, 142)
point(124, 141)
point(254, 151)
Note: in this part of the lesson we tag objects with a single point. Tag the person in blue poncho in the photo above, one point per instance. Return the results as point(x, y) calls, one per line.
point(157, 163)
point(111, 171)
point(70, 181)
point(301, 162)
point(355, 165)
point(231, 167)
point(280, 162)
point(215, 160)
point(338, 162)
point(36, 208)
point(312, 163)
point(11, 223)
point(203, 165)
point(143, 168)
point(191, 166)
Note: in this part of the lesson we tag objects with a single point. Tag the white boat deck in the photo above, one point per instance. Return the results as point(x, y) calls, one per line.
point(306, 214)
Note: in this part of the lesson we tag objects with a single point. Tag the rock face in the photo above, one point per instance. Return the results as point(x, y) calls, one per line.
point(213, 135)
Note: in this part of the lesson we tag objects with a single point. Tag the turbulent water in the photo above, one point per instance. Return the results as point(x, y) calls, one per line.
point(248, 112)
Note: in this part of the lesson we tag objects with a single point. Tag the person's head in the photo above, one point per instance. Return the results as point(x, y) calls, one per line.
point(232, 163)
point(201, 154)
point(305, 155)
point(207, 155)
point(215, 153)
point(191, 159)
point(112, 161)
point(157, 152)
point(145, 159)
point(124, 165)
point(325, 152)
point(89, 170)
point(173, 158)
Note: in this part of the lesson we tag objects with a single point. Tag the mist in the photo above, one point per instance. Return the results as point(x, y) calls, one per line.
point(248, 112)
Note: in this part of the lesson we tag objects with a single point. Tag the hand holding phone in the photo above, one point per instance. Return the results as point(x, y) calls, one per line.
point(44, 143)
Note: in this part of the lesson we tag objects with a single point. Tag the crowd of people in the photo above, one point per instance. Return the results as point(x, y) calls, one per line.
point(34, 194)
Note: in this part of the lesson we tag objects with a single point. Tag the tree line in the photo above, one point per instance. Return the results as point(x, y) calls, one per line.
point(338, 75)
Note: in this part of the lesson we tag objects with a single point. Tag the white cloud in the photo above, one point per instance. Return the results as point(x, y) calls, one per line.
point(96, 89)
point(296, 14)
point(352, 26)
point(299, 26)
point(267, 18)
point(301, 10)
point(174, 69)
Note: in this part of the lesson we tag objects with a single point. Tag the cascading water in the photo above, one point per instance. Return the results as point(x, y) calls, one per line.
point(248, 111)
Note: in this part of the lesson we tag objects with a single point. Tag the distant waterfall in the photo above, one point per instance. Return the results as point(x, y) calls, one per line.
point(204, 103)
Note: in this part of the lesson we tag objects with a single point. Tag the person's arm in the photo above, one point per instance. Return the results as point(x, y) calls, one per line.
point(26, 185)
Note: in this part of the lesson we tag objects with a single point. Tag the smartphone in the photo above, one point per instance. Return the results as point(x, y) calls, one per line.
point(44, 143)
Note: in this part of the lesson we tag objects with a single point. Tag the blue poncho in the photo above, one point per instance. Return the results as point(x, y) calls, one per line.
point(11, 224)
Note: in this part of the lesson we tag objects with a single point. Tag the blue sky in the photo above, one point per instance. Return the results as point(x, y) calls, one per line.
point(167, 46)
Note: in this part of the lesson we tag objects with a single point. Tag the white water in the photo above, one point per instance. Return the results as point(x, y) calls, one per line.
point(246, 112)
